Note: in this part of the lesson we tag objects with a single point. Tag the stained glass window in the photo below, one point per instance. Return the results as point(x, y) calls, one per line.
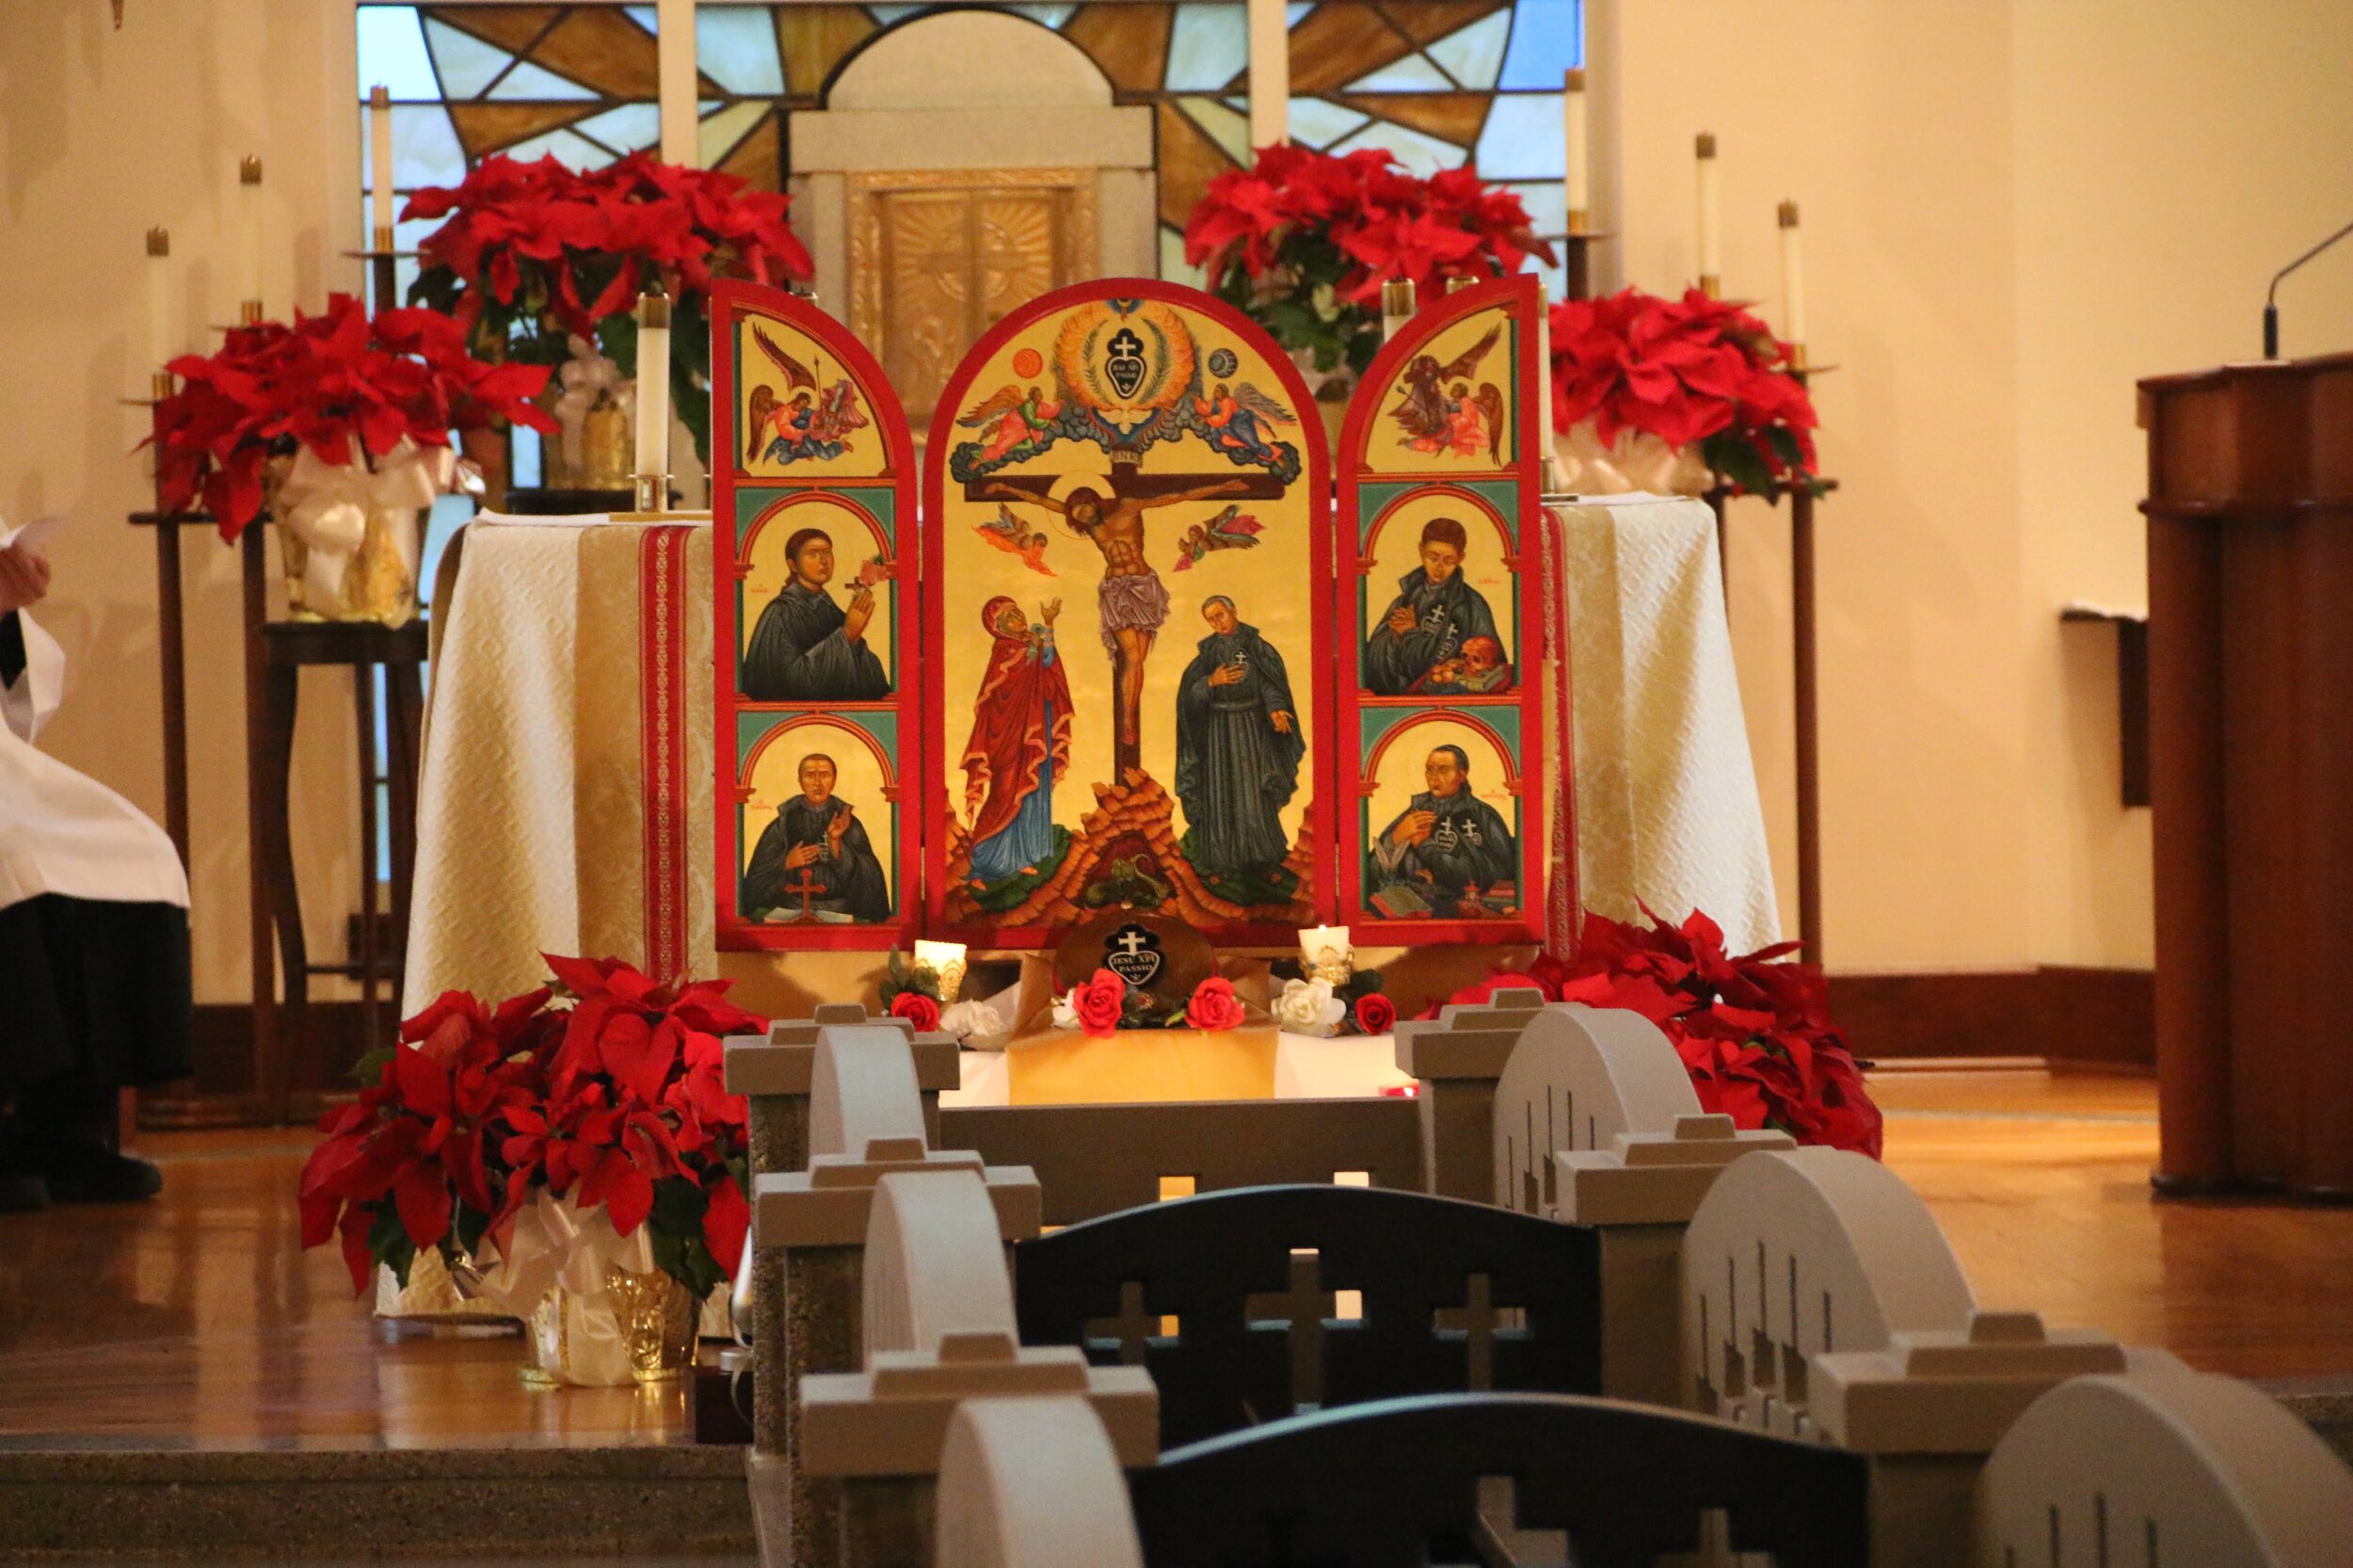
point(1440, 83)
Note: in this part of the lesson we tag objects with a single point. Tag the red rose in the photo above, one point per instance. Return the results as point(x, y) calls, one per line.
point(918, 1009)
point(1100, 1003)
point(1215, 1005)
point(1375, 1012)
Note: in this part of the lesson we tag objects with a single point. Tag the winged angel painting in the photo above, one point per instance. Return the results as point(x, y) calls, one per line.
point(1440, 413)
point(806, 422)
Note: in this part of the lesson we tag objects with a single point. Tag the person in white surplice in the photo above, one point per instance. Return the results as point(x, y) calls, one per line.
point(94, 991)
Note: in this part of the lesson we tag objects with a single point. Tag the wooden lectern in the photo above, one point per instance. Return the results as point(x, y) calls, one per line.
point(2250, 677)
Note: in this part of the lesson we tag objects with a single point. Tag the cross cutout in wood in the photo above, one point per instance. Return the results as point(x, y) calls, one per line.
point(1134, 1328)
point(1302, 1309)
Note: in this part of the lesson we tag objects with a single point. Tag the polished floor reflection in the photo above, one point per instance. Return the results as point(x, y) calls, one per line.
point(197, 1319)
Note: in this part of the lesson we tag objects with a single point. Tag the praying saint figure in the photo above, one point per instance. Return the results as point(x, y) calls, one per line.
point(1449, 854)
point(1435, 615)
point(1020, 742)
point(806, 649)
point(1133, 601)
point(815, 860)
point(1238, 746)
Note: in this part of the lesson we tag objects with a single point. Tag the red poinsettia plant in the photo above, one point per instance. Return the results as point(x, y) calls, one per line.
point(349, 387)
point(1689, 370)
point(529, 255)
point(1301, 242)
point(603, 1088)
point(1754, 1031)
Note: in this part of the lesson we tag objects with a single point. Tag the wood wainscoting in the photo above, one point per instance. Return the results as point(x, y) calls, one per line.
point(2069, 1016)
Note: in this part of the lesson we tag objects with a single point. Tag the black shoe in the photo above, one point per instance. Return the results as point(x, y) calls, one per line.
point(22, 1193)
point(81, 1174)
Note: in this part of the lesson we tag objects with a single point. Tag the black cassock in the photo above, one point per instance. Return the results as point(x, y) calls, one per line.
point(1446, 615)
point(850, 883)
point(1235, 770)
point(1469, 846)
point(798, 653)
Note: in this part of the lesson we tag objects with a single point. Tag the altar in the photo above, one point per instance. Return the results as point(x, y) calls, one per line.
point(556, 812)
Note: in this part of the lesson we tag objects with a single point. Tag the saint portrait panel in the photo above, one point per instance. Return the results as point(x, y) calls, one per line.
point(821, 828)
point(1441, 825)
point(816, 611)
point(1437, 601)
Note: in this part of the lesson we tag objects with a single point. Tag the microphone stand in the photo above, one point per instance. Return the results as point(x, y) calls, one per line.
point(2271, 308)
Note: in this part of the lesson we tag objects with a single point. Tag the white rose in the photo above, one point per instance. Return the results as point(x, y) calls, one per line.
point(1065, 1016)
point(1309, 1007)
point(976, 1023)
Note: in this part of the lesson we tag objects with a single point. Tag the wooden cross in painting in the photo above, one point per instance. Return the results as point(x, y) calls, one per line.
point(1134, 601)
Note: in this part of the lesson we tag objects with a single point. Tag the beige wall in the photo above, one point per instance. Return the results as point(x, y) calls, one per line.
point(102, 133)
point(2012, 213)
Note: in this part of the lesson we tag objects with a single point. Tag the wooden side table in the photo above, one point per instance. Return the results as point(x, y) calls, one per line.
point(364, 647)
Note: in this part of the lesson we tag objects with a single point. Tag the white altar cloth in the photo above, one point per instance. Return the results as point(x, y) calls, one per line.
point(532, 770)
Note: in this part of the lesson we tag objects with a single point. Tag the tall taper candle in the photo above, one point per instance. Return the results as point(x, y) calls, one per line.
point(1580, 174)
point(1710, 236)
point(249, 223)
point(654, 400)
point(674, 44)
point(159, 338)
point(1269, 73)
point(380, 173)
point(1547, 466)
point(1792, 282)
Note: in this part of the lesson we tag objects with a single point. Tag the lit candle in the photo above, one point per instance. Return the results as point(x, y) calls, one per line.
point(1792, 282)
point(1548, 474)
point(1579, 171)
point(1396, 305)
point(654, 400)
point(380, 154)
point(159, 341)
point(946, 960)
point(1269, 73)
point(249, 222)
point(1325, 954)
point(674, 44)
point(1711, 241)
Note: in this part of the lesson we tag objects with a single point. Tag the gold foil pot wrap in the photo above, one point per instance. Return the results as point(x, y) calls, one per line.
point(643, 1322)
point(377, 583)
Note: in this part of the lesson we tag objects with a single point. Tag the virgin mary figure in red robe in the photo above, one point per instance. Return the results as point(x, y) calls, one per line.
point(1020, 743)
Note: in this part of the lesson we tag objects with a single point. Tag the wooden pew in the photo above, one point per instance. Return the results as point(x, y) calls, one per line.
point(938, 1330)
point(2163, 1466)
point(1455, 1296)
point(865, 1122)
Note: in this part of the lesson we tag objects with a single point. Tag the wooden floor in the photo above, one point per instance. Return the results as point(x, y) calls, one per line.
point(196, 1318)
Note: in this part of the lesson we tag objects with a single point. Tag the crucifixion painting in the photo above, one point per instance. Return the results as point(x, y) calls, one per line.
point(1157, 439)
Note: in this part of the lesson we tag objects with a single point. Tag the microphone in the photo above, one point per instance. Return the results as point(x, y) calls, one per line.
point(2271, 308)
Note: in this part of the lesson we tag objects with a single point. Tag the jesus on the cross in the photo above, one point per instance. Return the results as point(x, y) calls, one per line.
point(1133, 602)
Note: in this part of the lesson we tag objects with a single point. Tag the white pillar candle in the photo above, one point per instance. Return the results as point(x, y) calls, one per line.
point(674, 41)
point(1325, 954)
point(1711, 230)
point(1792, 280)
point(380, 157)
point(654, 400)
point(945, 960)
point(159, 336)
point(1580, 174)
point(249, 226)
point(1269, 73)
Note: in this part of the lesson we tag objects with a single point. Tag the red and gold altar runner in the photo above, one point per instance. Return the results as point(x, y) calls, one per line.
point(818, 840)
point(1127, 625)
point(1452, 827)
point(561, 804)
